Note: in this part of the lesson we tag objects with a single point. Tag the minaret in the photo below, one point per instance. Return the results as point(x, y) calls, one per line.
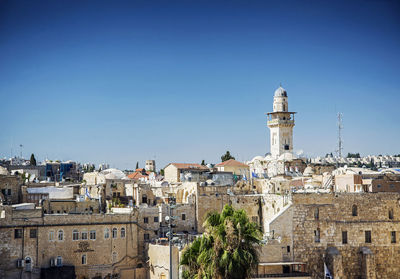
point(281, 123)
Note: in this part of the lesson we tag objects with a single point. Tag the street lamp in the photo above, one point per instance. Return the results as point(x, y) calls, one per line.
point(169, 219)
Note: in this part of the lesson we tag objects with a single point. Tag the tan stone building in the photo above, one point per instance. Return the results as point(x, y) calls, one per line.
point(92, 245)
point(234, 167)
point(356, 234)
point(175, 172)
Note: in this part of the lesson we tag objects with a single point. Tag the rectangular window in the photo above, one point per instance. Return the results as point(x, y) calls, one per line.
point(93, 235)
point(183, 216)
point(18, 233)
point(84, 235)
point(393, 237)
point(155, 219)
point(317, 238)
point(51, 235)
point(146, 220)
point(9, 192)
point(33, 233)
point(146, 236)
point(344, 237)
point(368, 237)
point(288, 249)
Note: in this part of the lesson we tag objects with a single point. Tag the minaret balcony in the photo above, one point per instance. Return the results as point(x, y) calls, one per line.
point(274, 122)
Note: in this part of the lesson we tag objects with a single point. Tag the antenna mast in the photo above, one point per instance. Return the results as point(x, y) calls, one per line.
point(340, 127)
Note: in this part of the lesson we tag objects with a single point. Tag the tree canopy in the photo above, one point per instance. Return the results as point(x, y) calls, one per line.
point(228, 249)
point(33, 160)
point(227, 156)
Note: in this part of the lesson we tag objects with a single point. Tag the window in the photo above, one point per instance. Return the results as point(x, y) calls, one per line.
point(393, 237)
point(83, 259)
point(93, 235)
point(59, 261)
point(114, 233)
point(106, 233)
point(144, 199)
point(122, 232)
point(155, 219)
point(145, 220)
point(254, 219)
point(391, 214)
point(84, 235)
point(51, 235)
point(354, 210)
point(183, 216)
point(33, 233)
point(60, 235)
point(28, 264)
point(344, 237)
point(75, 235)
point(316, 213)
point(288, 249)
point(368, 237)
point(146, 236)
point(317, 234)
point(114, 257)
point(18, 233)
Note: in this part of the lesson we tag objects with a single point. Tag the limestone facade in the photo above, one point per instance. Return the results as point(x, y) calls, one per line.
point(362, 228)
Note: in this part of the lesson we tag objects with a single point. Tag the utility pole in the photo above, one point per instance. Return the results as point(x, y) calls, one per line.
point(172, 203)
point(340, 142)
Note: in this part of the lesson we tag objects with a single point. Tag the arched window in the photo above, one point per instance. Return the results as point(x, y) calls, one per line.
point(59, 261)
point(114, 232)
point(114, 257)
point(83, 259)
point(60, 235)
point(106, 233)
point(391, 214)
point(28, 264)
point(84, 235)
point(144, 198)
point(354, 210)
point(122, 232)
point(75, 235)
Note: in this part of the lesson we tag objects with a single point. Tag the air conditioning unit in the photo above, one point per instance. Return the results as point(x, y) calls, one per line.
point(52, 262)
point(20, 263)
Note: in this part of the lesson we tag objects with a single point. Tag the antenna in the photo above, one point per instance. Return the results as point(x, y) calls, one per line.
point(340, 127)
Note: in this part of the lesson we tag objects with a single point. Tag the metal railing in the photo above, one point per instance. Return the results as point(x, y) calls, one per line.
point(282, 275)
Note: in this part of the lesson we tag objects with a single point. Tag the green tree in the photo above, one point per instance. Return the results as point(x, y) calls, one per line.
point(203, 163)
point(33, 160)
point(137, 165)
point(227, 156)
point(228, 249)
point(162, 172)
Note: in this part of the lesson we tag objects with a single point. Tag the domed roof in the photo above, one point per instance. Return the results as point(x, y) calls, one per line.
point(308, 171)
point(280, 92)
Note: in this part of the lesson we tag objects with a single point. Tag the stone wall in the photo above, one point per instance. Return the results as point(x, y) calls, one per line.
point(38, 238)
point(335, 215)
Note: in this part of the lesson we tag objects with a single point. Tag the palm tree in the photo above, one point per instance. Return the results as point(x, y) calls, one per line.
point(228, 248)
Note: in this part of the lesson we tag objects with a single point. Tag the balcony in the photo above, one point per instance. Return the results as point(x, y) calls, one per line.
point(274, 122)
point(303, 275)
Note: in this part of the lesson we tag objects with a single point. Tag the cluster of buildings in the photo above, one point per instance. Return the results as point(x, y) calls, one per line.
point(110, 224)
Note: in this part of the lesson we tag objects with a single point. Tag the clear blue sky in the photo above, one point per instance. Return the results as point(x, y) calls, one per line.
point(125, 81)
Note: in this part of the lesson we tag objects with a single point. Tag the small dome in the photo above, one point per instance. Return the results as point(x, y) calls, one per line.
point(280, 92)
point(308, 171)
